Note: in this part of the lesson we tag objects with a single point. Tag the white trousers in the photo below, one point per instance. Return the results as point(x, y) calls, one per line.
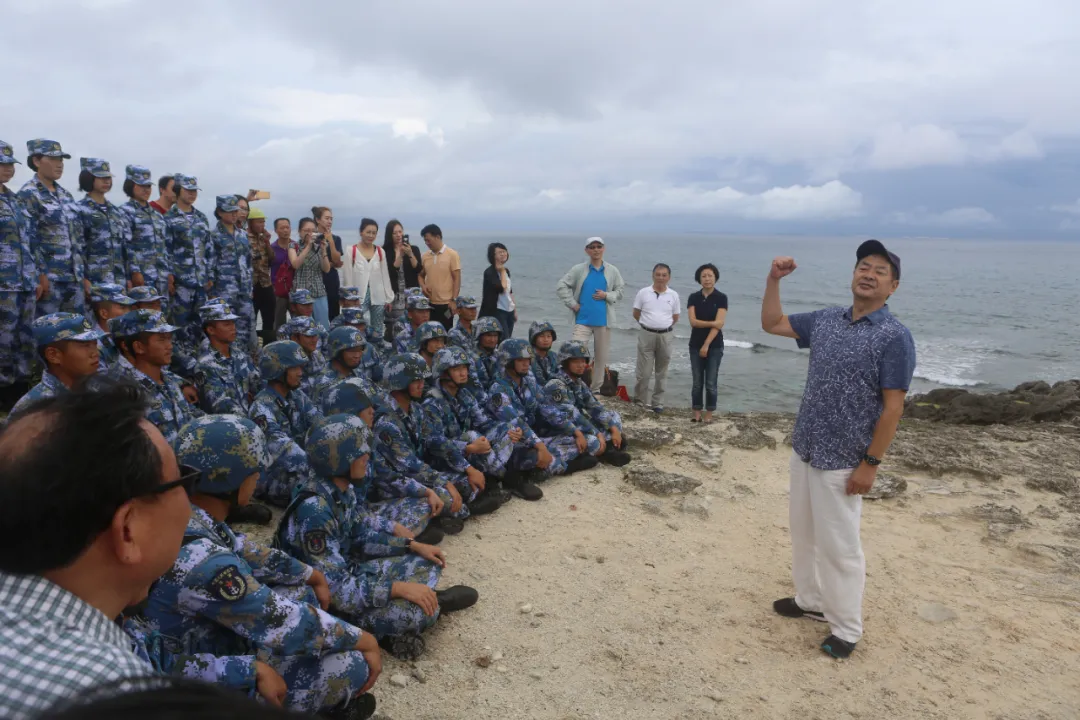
point(827, 560)
point(600, 336)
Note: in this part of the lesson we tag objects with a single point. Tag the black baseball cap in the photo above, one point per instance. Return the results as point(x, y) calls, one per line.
point(875, 247)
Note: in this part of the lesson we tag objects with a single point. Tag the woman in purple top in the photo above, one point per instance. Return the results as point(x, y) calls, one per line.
point(280, 259)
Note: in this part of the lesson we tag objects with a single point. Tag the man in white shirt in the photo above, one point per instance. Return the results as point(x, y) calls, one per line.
point(656, 308)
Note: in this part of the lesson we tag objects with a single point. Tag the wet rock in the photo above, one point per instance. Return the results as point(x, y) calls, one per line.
point(696, 506)
point(749, 437)
point(936, 613)
point(711, 458)
point(1028, 402)
point(787, 440)
point(886, 485)
point(650, 438)
point(658, 482)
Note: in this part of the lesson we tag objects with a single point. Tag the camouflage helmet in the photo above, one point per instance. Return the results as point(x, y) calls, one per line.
point(558, 392)
point(342, 339)
point(486, 325)
point(349, 316)
point(277, 357)
point(227, 449)
point(449, 357)
point(572, 349)
point(335, 442)
point(538, 327)
point(348, 396)
point(428, 331)
point(401, 370)
point(514, 349)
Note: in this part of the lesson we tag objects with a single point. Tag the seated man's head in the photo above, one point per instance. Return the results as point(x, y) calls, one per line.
point(430, 338)
point(304, 332)
point(339, 446)
point(515, 356)
point(349, 297)
point(228, 452)
point(406, 374)
point(346, 345)
point(301, 304)
point(68, 345)
point(143, 337)
point(350, 397)
point(146, 298)
point(574, 357)
point(451, 365)
point(542, 336)
point(466, 307)
point(488, 333)
point(219, 324)
point(283, 362)
point(107, 301)
point(419, 309)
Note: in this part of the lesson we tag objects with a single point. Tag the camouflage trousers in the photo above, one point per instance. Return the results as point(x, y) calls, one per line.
point(244, 308)
point(562, 449)
point(184, 314)
point(413, 513)
point(160, 283)
point(16, 337)
point(397, 617)
point(594, 444)
point(320, 683)
point(63, 297)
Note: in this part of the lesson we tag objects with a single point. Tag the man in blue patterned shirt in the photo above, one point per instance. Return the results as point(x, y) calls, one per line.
point(861, 363)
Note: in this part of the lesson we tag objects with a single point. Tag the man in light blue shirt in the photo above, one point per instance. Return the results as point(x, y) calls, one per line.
point(591, 291)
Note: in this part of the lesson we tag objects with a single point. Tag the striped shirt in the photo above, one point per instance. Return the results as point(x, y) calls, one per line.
point(54, 646)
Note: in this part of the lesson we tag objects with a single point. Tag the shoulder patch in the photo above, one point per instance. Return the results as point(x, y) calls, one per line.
point(384, 436)
point(260, 420)
point(315, 542)
point(497, 399)
point(229, 584)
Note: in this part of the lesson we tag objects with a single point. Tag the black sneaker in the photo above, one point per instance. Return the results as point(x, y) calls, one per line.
point(581, 462)
point(839, 649)
point(497, 491)
point(360, 708)
point(615, 458)
point(789, 608)
point(523, 489)
point(431, 535)
point(456, 598)
point(484, 505)
point(404, 647)
point(449, 525)
point(251, 514)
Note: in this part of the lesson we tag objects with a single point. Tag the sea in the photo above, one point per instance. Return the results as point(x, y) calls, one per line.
point(985, 315)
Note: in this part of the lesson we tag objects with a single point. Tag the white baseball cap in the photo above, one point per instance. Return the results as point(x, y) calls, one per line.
point(592, 240)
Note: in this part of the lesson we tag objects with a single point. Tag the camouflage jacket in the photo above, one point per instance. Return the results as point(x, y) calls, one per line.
point(108, 354)
point(55, 231)
point(229, 260)
point(236, 672)
point(227, 385)
point(285, 422)
point(585, 401)
point(189, 242)
point(149, 250)
point(463, 339)
point(49, 387)
point(18, 270)
point(169, 409)
point(544, 368)
point(508, 400)
point(106, 241)
point(399, 450)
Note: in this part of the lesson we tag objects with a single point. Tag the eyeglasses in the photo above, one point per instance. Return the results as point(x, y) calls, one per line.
point(188, 477)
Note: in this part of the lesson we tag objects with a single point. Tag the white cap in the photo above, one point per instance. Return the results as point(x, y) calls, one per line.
point(592, 240)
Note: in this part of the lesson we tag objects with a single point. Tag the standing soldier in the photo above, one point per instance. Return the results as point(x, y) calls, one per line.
point(20, 288)
point(55, 231)
point(148, 254)
point(188, 239)
point(106, 233)
point(229, 263)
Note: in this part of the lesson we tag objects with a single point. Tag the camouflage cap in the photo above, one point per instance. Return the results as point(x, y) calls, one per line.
point(301, 297)
point(351, 316)
point(449, 357)
point(302, 326)
point(136, 322)
point(227, 449)
point(187, 182)
point(401, 370)
point(216, 313)
point(347, 396)
point(96, 167)
point(350, 293)
point(486, 325)
point(138, 174)
point(49, 329)
point(413, 292)
point(48, 148)
point(572, 349)
point(110, 292)
point(216, 300)
point(342, 339)
point(335, 442)
point(466, 301)
point(7, 154)
point(514, 349)
point(144, 294)
point(538, 327)
point(428, 331)
point(227, 203)
point(277, 357)
point(418, 302)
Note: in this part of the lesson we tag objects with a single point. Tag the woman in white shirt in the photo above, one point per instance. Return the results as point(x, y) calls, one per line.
point(364, 266)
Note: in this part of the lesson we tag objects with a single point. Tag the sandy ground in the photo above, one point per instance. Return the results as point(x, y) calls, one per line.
point(594, 606)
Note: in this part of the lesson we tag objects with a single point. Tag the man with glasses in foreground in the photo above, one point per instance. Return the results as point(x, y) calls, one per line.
point(92, 511)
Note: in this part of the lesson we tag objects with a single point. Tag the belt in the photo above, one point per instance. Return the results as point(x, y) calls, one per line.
point(658, 332)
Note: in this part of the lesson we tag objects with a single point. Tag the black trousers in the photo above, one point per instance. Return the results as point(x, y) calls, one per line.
point(264, 300)
point(442, 314)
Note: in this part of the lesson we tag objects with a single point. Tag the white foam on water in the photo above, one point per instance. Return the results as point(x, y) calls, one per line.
point(738, 344)
point(949, 363)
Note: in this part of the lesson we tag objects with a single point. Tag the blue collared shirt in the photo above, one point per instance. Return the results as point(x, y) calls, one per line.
point(593, 312)
point(850, 364)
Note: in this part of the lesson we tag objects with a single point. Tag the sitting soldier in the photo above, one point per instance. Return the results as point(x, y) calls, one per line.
point(145, 342)
point(428, 340)
point(601, 426)
point(418, 309)
point(305, 332)
point(374, 582)
point(67, 344)
point(542, 337)
point(515, 396)
point(460, 431)
point(345, 349)
point(285, 415)
point(461, 334)
point(107, 301)
point(146, 297)
point(371, 363)
point(349, 297)
point(227, 381)
point(488, 334)
point(226, 595)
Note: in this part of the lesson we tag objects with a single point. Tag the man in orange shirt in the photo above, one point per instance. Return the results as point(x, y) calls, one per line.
point(442, 275)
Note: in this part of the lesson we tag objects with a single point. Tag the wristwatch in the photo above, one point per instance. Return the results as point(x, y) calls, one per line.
point(408, 542)
point(871, 460)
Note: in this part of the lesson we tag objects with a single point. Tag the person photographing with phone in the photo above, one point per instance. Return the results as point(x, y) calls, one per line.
point(404, 267)
point(310, 259)
point(324, 220)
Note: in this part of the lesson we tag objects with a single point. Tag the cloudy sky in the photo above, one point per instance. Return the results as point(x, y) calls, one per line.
point(925, 117)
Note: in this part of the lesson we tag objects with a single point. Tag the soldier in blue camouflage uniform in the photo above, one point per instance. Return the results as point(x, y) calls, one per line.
point(346, 347)
point(285, 415)
point(602, 427)
point(306, 333)
point(488, 334)
point(18, 288)
point(460, 432)
point(461, 334)
point(374, 581)
point(147, 297)
point(226, 378)
point(189, 246)
point(428, 340)
point(301, 304)
point(107, 301)
point(229, 257)
point(55, 230)
point(226, 595)
point(67, 344)
point(150, 251)
point(145, 341)
point(371, 363)
point(544, 366)
point(418, 310)
point(349, 297)
point(515, 396)
point(106, 233)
